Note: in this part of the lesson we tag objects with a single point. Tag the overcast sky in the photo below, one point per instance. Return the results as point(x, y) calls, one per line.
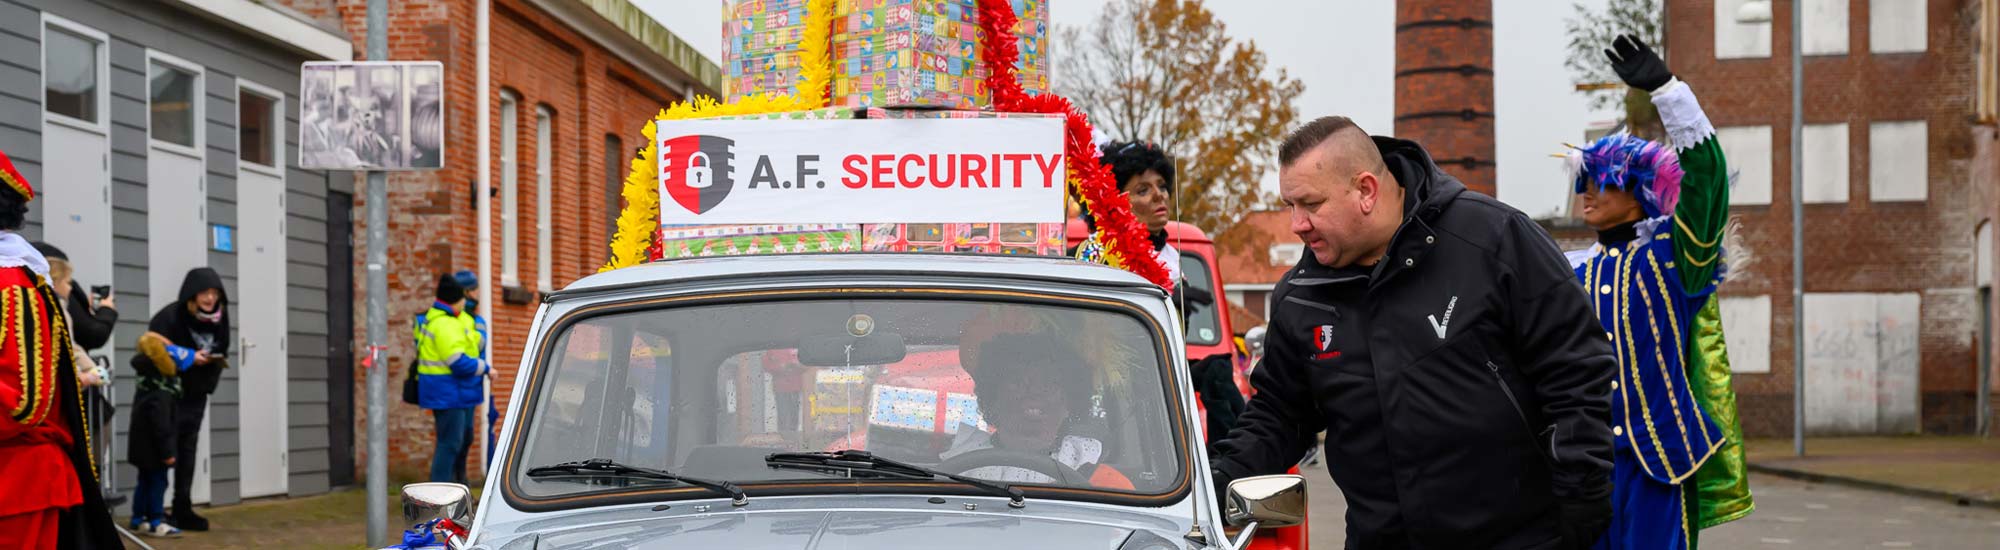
point(1344, 52)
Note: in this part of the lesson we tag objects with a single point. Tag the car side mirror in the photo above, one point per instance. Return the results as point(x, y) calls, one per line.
point(423, 502)
point(1266, 501)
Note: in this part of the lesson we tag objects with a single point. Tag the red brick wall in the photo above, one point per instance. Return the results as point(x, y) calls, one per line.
point(1859, 246)
point(432, 222)
point(1449, 111)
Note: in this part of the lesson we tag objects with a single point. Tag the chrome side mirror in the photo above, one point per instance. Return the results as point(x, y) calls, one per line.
point(423, 502)
point(1266, 501)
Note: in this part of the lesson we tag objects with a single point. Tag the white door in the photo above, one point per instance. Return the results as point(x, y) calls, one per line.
point(260, 274)
point(75, 187)
point(176, 201)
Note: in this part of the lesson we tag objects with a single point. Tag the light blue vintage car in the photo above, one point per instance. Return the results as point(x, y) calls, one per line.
point(856, 401)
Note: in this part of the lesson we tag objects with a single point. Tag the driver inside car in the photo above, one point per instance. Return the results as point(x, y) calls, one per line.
point(1032, 389)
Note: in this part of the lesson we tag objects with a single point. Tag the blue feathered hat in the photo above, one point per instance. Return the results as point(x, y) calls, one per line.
point(1649, 170)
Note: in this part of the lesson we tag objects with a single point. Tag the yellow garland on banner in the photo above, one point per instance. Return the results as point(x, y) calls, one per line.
point(641, 216)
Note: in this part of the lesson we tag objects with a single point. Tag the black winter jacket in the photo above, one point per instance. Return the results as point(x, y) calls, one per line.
point(89, 324)
point(175, 322)
point(1463, 382)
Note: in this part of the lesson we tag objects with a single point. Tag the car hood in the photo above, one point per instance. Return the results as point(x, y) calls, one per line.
point(829, 529)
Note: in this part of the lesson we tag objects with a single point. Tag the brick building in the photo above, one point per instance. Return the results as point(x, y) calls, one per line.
point(1899, 182)
point(1444, 85)
point(572, 84)
point(1248, 276)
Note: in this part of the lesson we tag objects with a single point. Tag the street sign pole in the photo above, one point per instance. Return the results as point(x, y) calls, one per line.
point(378, 320)
point(1798, 238)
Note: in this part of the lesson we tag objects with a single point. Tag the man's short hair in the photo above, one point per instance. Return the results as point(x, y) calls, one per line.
point(1311, 135)
point(1032, 354)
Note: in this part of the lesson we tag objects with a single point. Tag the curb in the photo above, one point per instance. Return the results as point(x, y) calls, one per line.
point(1803, 475)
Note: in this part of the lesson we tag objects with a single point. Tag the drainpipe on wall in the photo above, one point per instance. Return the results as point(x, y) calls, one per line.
point(482, 201)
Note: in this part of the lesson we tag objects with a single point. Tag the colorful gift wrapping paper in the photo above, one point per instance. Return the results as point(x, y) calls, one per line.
point(1028, 239)
point(886, 53)
point(692, 241)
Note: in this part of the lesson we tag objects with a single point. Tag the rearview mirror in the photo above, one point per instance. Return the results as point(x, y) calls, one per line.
point(1268, 501)
point(423, 502)
point(842, 351)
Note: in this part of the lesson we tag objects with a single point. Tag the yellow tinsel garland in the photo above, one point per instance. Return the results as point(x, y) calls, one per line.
point(641, 215)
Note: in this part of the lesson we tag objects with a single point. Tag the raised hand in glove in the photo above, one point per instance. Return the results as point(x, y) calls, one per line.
point(1584, 521)
point(1637, 65)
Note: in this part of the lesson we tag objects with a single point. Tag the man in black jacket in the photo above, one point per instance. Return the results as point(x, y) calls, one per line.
point(1442, 342)
point(198, 321)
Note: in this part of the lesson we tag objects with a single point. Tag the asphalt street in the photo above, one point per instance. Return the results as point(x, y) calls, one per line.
point(1790, 514)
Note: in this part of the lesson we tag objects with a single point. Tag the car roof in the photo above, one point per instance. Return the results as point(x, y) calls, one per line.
point(981, 266)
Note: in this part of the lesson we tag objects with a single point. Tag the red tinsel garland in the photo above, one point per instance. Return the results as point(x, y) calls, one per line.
point(1124, 237)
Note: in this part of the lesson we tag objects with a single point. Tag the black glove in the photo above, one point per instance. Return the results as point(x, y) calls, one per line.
point(1584, 521)
point(1637, 65)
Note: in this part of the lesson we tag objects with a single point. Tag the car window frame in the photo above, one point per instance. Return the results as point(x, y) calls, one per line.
point(532, 399)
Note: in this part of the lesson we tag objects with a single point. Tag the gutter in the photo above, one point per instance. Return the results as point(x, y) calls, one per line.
point(278, 24)
point(639, 40)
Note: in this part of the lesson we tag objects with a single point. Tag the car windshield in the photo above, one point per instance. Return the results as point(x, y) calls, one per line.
point(1034, 394)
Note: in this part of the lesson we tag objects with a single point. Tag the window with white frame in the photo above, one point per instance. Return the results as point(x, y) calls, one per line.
point(614, 182)
point(510, 202)
point(1897, 26)
point(258, 126)
point(1825, 24)
point(70, 64)
point(1898, 161)
point(1737, 40)
point(1826, 163)
point(1747, 149)
point(544, 123)
point(173, 102)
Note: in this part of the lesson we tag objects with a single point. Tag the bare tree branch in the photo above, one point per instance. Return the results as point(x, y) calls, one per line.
point(1167, 71)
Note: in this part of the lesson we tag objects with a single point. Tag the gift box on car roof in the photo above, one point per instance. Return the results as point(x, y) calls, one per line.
point(886, 53)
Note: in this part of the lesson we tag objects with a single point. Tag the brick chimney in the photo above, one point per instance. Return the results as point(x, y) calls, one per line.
point(1444, 84)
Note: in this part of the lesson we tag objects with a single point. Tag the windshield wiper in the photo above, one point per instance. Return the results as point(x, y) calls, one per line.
point(608, 468)
point(858, 460)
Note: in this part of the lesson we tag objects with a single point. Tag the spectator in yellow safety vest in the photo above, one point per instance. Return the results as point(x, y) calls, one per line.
point(449, 371)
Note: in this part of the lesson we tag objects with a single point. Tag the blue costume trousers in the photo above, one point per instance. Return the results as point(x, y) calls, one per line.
point(1645, 513)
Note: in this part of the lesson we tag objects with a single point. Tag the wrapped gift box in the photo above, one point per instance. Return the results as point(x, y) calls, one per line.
point(692, 241)
point(1030, 239)
point(877, 112)
point(886, 53)
point(760, 45)
point(827, 113)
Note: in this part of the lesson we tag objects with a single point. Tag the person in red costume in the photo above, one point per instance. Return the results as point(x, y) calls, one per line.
point(46, 469)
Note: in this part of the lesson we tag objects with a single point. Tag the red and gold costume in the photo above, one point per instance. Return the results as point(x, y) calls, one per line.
point(47, 473)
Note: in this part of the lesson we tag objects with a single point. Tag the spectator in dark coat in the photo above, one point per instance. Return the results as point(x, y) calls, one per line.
point(91, 318)
point(198, 321)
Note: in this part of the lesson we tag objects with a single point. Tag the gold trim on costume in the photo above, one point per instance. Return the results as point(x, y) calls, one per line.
point(18, 185)
point(1645, 409)
point(1691, 237)
point(1680, 349)
point(9, 320)
point(1666, 376)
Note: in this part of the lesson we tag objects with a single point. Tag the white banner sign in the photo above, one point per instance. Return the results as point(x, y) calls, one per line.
point(1002, 170)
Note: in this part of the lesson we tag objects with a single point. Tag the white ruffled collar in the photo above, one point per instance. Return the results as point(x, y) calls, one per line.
point(16, 252)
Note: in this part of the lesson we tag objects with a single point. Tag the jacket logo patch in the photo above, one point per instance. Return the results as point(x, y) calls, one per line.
point(1322, 337)
point(1440, 326)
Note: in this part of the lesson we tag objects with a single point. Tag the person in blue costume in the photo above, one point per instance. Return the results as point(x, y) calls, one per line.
point(1660, 210)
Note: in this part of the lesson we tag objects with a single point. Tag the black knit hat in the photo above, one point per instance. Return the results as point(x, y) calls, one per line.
point(50, 251)
point(448, 290)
